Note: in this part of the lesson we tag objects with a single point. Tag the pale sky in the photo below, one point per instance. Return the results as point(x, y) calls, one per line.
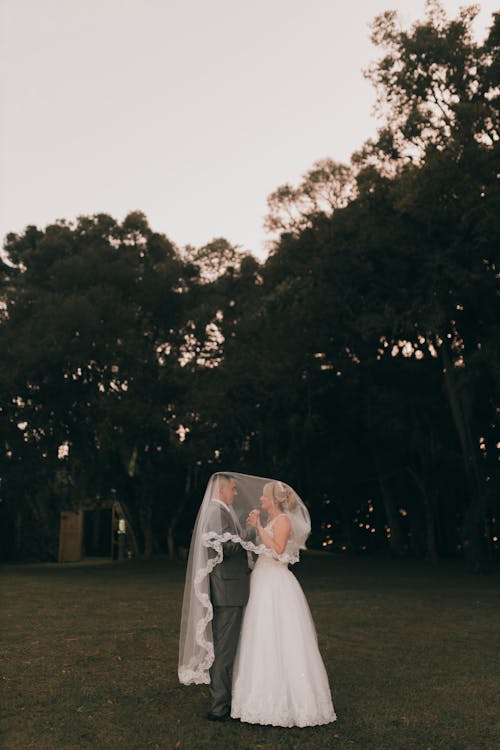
point(192, 111)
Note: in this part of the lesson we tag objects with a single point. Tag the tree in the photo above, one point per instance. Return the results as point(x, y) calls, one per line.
point(436, 87)
point(90, 335)
point(327, 186)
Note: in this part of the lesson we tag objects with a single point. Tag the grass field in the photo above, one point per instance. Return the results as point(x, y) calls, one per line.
point(90, 659)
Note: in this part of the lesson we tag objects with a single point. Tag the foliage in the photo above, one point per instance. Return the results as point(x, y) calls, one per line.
point(360, 362)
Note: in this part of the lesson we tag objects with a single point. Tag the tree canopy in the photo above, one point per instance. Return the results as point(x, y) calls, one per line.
point(360, 361)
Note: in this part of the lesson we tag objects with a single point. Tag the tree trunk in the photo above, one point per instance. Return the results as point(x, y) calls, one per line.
point(147, 527)
point(172, 552)
point(430, 531)
point(18, 534)
point(429, 518)
point(391, 513)
point(472, 530)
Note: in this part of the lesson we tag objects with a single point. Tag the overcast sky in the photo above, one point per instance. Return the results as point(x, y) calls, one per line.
point(192, 111)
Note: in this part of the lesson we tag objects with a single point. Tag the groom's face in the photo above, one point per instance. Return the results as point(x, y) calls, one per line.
point(227, 491)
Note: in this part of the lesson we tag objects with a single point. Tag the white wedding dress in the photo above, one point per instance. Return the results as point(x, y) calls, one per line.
point(279, 677)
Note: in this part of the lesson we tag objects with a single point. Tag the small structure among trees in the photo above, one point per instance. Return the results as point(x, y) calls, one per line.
point(95, 529)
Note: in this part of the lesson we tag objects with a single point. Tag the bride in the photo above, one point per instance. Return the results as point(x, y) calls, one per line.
point(279, 677)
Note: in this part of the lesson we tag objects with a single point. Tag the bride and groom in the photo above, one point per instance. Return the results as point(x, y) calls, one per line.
point(251, 638)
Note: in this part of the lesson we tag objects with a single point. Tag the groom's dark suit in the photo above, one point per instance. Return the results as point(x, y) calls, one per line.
point(229, 590)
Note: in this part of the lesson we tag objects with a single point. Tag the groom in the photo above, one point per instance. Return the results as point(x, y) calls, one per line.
point(229, 591)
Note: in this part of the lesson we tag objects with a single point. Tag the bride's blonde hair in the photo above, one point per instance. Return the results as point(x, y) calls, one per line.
point(284, 495)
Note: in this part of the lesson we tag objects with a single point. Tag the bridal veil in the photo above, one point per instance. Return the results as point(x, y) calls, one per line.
point(196, 651)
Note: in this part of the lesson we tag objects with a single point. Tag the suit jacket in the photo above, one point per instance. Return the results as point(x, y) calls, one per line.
point(229, 580)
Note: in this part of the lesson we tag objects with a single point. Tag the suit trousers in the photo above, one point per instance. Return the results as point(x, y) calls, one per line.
point(226, 625)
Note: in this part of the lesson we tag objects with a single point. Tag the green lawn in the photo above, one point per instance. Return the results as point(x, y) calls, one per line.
point(91, 659)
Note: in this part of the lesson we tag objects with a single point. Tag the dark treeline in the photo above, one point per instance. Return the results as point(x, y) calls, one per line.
point(359, 363)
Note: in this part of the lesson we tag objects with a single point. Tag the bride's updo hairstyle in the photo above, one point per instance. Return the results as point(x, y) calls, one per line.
point(284, 496)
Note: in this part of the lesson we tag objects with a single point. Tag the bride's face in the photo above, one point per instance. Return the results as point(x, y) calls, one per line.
point(266, 500)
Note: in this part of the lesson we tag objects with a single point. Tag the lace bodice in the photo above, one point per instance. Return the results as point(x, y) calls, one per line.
point(269, 526)
point(269, 529)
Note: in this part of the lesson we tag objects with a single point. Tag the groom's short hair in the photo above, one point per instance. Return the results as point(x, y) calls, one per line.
point(225, 477)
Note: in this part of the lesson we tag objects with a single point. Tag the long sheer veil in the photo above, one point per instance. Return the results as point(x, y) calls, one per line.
point(196, 651)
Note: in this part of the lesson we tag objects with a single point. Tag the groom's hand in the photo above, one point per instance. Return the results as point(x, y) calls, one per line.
point(253, 517)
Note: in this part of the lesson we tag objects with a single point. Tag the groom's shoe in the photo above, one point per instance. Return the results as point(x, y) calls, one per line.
point(214, 717)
